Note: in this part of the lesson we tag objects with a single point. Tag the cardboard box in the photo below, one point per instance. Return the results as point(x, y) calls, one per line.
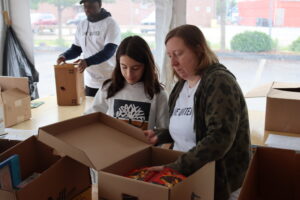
point(60, 178)
point(15, 100)
point(273, 174)
point(113, 148)
point(69, 85)
point(283, 106)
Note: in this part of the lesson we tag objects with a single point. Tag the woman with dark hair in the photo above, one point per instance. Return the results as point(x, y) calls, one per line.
point(133, 93)
point(208, 113)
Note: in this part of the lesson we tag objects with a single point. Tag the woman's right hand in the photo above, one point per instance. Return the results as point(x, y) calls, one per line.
point(151, 136)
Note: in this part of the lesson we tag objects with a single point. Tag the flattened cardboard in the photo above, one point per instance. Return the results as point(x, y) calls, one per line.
point(92, 137)
point(58, 175)
point(8, 82)
point(113, 148)
point(283, 106)
point(16, 106)
point(16, 100)
point(273, 174)
point(69, 85)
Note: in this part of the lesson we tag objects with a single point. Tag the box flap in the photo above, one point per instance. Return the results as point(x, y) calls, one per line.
point(285, 93)
point(260, 91)
point(285, 85)
point(8, 82)
point(66, 65)
point(96, 140)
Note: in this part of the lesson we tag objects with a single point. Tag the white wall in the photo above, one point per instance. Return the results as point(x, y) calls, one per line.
point(2, 34)
point(20, 15)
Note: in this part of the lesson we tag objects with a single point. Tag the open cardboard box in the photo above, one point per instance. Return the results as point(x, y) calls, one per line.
point(273, 174)
point(60, 178)
point(113, 148)
point(15, 99)
point(283, 106)
point(69, 85)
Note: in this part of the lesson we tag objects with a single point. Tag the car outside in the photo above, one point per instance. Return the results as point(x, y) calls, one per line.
point(148, 24)
point(79, 17)
point(40, 21)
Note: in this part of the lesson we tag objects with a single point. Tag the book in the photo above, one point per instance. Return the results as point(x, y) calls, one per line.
point(167, 177)
point(5, 178)
point(13, 164)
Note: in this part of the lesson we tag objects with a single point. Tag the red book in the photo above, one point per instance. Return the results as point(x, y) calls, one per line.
point(167, 177)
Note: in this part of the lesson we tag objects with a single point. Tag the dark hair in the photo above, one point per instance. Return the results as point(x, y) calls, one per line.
point(136, 48)
point(195, 40)
point(92, 1)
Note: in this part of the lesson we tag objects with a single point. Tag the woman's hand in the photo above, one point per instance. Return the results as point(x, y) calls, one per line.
point(151, 136)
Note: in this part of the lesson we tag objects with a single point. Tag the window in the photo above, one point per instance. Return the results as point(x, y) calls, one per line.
point(54, 34)
point(265, 62)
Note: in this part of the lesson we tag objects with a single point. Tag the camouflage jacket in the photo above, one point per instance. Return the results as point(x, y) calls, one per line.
point(222, 130)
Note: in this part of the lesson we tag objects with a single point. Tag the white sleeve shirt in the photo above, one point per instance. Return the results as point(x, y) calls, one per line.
point(132, 105)
point(92, 37)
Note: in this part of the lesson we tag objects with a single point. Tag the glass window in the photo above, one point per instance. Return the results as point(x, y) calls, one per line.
point(54, 26)
point(257, 40)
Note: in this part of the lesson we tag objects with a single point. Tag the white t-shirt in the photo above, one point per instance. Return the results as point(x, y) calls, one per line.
point(182, 120)
point(92, 37)
point(133, 106)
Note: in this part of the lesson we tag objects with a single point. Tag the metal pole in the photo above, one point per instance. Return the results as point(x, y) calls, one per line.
point(270, 21)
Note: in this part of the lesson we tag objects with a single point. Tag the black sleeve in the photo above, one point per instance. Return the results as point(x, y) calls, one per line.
point(73, 52)
point(106, 53)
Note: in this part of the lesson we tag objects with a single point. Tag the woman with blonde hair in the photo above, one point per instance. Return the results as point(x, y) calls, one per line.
point(208, 113)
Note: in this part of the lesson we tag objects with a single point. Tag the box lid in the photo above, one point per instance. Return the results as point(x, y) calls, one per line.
point(96, 140)
point(260, 91)
point(20, 83)
point(276, 90)
point(66, 66)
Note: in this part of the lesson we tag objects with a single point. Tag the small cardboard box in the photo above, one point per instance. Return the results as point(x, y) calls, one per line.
point(273, 174)
point(113, 148)
point(60, 178)
point(15, 100)
point(69, 85)
point(283, 106)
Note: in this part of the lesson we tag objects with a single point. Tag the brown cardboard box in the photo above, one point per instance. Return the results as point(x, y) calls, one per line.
point(60, 178)
point(273, 174)
point(283, 106)
point(15, 99)
point(69, 85)
point(113, 148)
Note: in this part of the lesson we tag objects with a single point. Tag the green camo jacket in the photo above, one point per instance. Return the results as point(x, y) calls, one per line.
point(222, 130)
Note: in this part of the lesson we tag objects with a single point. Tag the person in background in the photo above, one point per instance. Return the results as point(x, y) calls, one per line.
point(133, 93)
point(97, 37)
point(208, 113)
